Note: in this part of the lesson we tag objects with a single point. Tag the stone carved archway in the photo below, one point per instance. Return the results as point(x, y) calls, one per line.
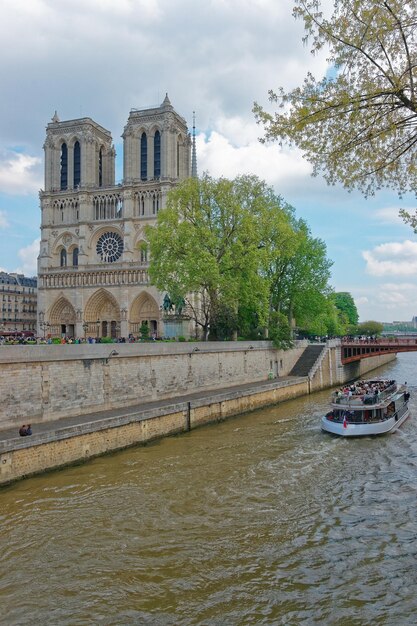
point(144, 309)
point(102, 315)
point(62, 318)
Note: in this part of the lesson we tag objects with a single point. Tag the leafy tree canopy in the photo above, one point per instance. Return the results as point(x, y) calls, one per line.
point(299, 273)
point(358, 125)
point(236, 256)
point(346, 304)
point(370, 327)
point(209, 245)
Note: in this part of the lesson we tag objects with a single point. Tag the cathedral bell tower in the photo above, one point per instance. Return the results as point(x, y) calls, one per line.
point(93, 262)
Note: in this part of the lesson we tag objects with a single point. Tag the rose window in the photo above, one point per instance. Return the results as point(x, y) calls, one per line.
point(110, 247)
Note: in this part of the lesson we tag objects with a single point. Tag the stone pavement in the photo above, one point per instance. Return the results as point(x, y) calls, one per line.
point(47, 431)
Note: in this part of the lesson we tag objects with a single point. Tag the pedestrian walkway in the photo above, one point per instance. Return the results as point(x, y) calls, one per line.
point(47, 431)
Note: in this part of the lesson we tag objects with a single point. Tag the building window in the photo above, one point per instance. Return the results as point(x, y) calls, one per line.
point(75, 257)
point(100, 168)
point(77, 164)
point(110, 247)
point(108, 207)
point(157, 155)
point(64, 166)
point(178, 159)
point(63, 258)
point(143, 157)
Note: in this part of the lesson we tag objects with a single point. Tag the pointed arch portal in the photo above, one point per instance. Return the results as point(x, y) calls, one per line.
point(62, 318)
point(102, 315)
point(144, 310)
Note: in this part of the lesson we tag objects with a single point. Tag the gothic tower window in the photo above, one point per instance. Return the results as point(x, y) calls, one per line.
point(143, 157)
point(63, 258)
point(157, 154)
point(143, 254)
point(75, 257)
point(155, 203)
point(64, 166)
point(77, 164)
point(178, 158)
point(100, 168)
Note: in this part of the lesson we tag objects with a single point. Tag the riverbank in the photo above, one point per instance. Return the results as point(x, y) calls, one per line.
point(69, 440)
point(85, 401)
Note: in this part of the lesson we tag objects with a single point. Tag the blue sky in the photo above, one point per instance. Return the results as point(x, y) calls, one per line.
point(100, 58)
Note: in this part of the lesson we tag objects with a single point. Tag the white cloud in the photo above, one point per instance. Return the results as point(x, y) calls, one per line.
point(392, 259)
point(361, 300)
point(218, 156)
point(19, 173)
point(4, 222)
point(386, 302)
point(29, 256)
point(390, 215)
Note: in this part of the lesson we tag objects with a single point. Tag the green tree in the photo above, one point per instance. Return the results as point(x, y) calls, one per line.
point(346, 304)
point(144, 331)
point(358, 125)
point(299, 275)
point(280, 331)
point(207, 248)
point(370, 327)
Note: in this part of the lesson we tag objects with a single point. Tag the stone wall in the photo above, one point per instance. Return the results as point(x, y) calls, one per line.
point(27, 456)
point(41, 383)
point(330, 372)
point(63, 380)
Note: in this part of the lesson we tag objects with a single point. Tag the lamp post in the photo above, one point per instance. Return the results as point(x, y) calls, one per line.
point(85, 328)
point(44, 326)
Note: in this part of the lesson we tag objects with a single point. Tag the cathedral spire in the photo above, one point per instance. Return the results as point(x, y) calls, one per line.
point(167, 103)
point(194, 153)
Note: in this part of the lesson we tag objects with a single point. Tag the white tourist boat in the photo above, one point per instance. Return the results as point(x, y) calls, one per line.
point(367, 407)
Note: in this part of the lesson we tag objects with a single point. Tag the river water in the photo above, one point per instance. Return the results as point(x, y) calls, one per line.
point(262, 519)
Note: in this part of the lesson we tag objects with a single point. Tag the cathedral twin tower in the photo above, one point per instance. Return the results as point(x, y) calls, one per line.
point(92, 267)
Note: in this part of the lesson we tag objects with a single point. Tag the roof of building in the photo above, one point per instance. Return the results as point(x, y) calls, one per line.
point(18, 279)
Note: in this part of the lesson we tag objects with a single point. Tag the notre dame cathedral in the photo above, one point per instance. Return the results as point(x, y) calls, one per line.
point(92, 266)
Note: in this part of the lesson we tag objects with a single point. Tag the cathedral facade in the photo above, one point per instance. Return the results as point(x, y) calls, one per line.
point(93, 264)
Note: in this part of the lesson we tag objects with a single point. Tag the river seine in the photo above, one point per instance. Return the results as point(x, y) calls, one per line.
point(262, 519)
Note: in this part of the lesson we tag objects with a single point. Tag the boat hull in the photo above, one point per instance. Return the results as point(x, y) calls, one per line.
point(364, 430)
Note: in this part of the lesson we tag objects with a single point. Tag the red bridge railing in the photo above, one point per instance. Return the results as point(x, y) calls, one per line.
point(356, 349)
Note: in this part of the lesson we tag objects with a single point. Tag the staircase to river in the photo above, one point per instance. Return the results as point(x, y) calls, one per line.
point(307, 360)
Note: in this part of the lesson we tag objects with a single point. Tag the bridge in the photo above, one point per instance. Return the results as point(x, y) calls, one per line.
point(355, 350)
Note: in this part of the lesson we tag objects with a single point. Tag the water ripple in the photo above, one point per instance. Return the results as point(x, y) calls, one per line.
point(261, 519)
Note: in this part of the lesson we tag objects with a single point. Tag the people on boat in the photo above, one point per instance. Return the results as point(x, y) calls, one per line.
point(368, 392)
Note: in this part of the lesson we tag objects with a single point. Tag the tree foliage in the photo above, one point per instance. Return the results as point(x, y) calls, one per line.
point(239, 258)
point(299, 274)
point(346, 304)
point(358, 125)
point(370, 327)
point(206, 247)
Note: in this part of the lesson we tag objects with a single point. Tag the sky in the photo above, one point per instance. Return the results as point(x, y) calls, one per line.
point(101, 58)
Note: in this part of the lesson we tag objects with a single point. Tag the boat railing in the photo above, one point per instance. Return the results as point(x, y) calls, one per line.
point(364, 399)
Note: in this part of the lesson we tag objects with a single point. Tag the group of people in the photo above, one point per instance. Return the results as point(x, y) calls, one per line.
point(25, 430)
point(76, 340)
point(368, 392)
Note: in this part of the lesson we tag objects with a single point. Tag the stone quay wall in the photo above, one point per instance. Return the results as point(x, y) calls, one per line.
point(65, 382)
point(42, 383)
point(328, 371)
point(24, 457)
